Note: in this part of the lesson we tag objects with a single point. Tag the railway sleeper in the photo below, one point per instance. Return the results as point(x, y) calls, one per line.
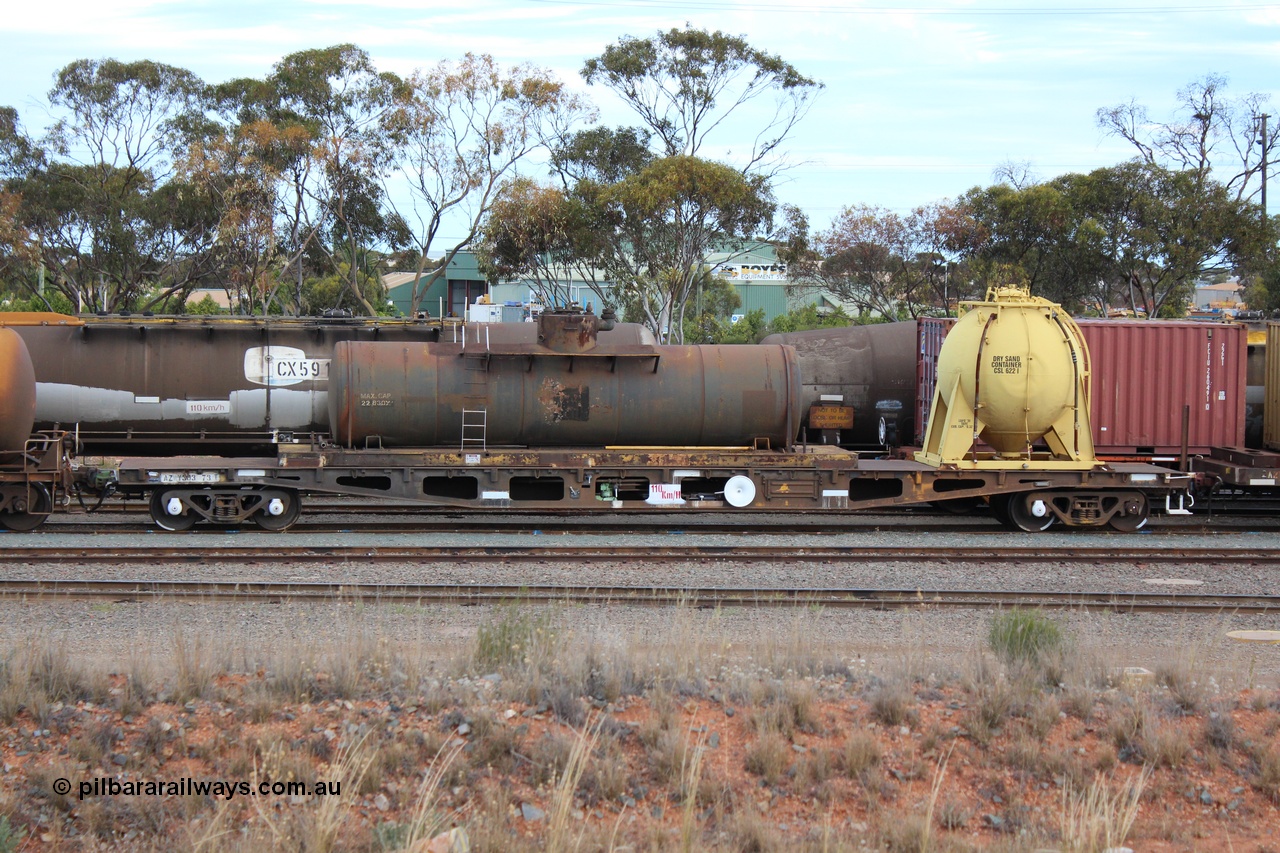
point(1124, 511)
point(269, 508)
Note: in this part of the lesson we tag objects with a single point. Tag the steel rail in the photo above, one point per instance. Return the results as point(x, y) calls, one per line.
point(745, 527)
point(277, 553)
point(479, 594)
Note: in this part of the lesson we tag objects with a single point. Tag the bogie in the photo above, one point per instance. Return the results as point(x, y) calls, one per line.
point(29, 505)
point(269, 508)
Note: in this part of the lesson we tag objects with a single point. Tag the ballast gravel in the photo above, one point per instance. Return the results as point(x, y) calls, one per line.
point(114, 633)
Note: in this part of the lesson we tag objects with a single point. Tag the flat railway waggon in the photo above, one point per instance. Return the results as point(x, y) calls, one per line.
point(560, 416)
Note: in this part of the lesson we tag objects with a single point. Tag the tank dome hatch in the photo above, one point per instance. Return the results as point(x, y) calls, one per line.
point(1013, 372)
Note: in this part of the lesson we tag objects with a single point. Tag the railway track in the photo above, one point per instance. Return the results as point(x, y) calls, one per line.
point(401, 521)
point(482, 594)
point(299, 555)
point(81, 525)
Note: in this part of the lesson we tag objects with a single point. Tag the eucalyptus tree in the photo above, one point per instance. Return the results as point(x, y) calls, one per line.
point(1164, 229)
point(17, 154)
point(656, 227)
point(260, 164)
point(1209, 133)
point(339, 94)
point(687, 84)
point(115, 225)
point(529, 234)
point(881, 263)
point(1043, 231)
point(554, 235)
point(639, 242)
point(690, 89)
point(1134, 234)
point(461, 130)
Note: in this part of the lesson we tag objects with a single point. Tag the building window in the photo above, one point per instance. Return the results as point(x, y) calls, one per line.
point(464, 293)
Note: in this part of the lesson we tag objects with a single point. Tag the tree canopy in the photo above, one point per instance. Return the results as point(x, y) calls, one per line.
point(295, 191)
point(686, 84)
point(282, 190)
point(640, 208)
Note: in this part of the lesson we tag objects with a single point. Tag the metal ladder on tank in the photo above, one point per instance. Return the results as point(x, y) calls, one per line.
point(475, 415)
point(475, 423)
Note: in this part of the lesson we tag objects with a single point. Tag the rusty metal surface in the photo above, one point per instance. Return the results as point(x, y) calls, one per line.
point(17, 392)
point(162, 384)
point(873, 368)
point(568, 331)
point(415, 395)
point(144, 384)
point(1144, 373)
point(654, 478)
point(504, 334)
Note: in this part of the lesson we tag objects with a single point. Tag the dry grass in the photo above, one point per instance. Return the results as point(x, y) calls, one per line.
point(1100, 818)
point(1186, 683)
point(768, 757)
point(38, 674)
point(792, 726)
point(891, 703)
point(1167, 745)
point(559, 829)
point(691, 784)
point(861, 752)
point(1267, 776)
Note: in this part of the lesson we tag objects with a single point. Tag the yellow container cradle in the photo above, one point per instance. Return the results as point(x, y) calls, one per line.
point(1013, 371)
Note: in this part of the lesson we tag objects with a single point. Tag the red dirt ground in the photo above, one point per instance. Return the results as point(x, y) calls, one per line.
point(1214, 799)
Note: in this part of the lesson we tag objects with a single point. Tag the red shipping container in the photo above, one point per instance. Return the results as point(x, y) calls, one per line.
point(1146, 374)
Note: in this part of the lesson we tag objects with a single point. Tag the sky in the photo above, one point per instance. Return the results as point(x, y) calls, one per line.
point(923, 99)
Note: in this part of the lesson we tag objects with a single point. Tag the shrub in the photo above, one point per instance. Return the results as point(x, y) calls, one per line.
point(1220, 731)
point(1188, 692)
point(1167, 746)
point(993, 702)
point(767, 758)
point(891, 703)
point(10, 836)
point(1267, 778)
point(512, 636)
point(861, 752)
point(1023, 636)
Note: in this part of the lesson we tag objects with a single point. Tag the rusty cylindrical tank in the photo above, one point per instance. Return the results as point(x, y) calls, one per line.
point(141, 384)
point(869, 368)
point(416, 394)
point(17, 392)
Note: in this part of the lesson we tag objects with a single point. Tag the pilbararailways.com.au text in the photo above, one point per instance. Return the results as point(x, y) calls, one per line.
point(188, 787)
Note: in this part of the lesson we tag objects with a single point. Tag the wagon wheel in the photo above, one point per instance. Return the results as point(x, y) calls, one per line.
point(289, 510)
point(184, 519)
point(1000, 508)
point(1030, 513)
point(1137, 514)
point(35, 514)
